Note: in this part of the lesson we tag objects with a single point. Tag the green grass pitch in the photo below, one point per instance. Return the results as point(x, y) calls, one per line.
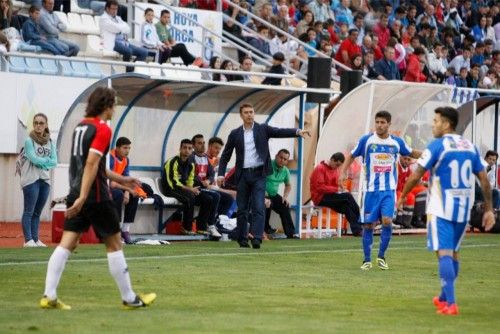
point(306, 286)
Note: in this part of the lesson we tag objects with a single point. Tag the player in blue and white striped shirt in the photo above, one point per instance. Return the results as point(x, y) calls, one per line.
point(380, 152)
point(453, 161)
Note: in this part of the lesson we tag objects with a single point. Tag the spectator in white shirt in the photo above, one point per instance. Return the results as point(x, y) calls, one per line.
point(150, 39)
point(281, 43)
point(462, 60)
point(114, 33)
point(435, 63)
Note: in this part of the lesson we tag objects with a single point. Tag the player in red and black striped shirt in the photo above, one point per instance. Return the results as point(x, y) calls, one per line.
point(89, 203)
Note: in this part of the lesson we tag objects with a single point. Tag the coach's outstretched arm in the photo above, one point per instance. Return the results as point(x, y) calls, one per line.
point(286, 132)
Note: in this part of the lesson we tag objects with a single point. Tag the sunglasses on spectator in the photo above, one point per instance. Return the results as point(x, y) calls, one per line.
point(38, 123)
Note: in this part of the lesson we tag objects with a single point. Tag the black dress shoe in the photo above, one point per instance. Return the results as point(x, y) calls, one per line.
point(256, 243)
point(243, 244)
point(270, 230)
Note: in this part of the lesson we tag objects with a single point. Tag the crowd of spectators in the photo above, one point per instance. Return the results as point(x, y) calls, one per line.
point(438, 41)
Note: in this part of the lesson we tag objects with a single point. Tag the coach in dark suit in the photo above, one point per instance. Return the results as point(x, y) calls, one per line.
point(253, 164)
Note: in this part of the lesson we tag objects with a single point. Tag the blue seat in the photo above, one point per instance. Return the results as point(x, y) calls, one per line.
point(17, 64)
point(49, 67)
point(79, 69)
point(94, 71)
point(66, 68)
point(34, 65)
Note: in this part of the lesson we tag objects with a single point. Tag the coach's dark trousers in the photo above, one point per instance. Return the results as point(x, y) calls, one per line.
point(250, 195)
point(345, 204)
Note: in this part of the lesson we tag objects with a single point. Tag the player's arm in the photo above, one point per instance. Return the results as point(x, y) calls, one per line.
point(488, 216)
point(89, 174)
point(410, 183)
point(127, 183)
point(343, 170)
point(415, 154)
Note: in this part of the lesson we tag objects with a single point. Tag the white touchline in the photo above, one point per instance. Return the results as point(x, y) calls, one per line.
point(251, 253)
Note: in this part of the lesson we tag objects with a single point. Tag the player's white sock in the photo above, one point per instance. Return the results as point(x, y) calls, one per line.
point(119, 270)
point(126, 227)
point(55, 269)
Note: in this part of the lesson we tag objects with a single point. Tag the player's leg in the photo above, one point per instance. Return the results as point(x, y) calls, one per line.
point(367, 242)
point(104, 219)
point(387, 205)
point(55, 268)
point(443, 240)
point(129, 218)
point(458, 234)
point(408, 208)
point(369, 214)
point(433, 245)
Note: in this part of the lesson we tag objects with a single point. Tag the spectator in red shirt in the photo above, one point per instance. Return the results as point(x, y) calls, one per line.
point(405, 216)
point(206, 4)
point(416, 64)
point(325, 191)
point(382, 31)
point(348, 48)
point(377, 50)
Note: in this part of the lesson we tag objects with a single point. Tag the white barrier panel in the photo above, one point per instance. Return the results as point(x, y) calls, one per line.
point(28, 94)
point(209, 19)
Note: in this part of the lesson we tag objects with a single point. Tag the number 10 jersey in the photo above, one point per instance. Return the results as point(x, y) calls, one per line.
point(453, 161)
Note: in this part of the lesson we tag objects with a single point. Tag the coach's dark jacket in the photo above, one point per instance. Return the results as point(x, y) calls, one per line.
point(261, 135)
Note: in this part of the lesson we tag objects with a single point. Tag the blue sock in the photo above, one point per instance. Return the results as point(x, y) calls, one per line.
point(456, 266)
point(367, 244)
point(385, 237)
point(442, 296)
point(447, 275)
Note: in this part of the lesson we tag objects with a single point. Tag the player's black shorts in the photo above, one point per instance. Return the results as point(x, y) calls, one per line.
point(102, 216)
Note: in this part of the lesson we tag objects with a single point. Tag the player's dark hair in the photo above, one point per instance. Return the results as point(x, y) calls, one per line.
point(491, 153)
point(450, 114)
point(197, 136)
point(164, 11)
point(339, 156)
point(99, 100)
point(123, 141)
point(147, 10)
point(283, 150)
point(215, 140)
point(186, 141)
point(384, 114)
